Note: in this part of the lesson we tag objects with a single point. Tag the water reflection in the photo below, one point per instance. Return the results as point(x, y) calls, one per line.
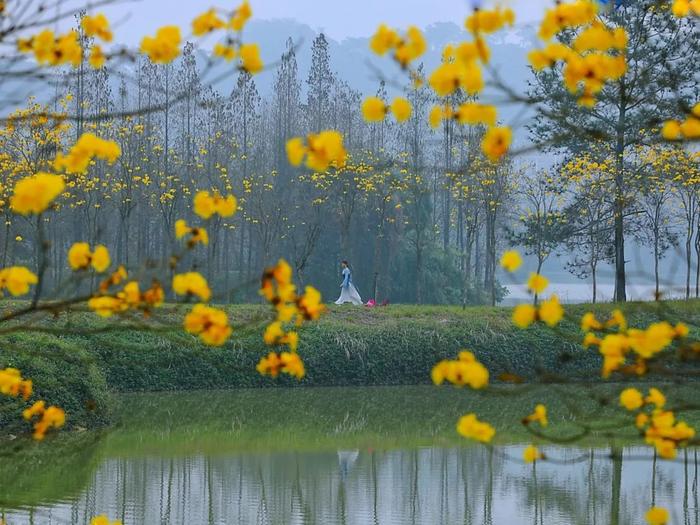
point(430, 485)
point(351, 456)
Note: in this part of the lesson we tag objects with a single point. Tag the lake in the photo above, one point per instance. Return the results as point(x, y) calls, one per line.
point(335, 456)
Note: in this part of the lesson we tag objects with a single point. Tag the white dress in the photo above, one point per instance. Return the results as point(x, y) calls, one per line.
point(348, 292)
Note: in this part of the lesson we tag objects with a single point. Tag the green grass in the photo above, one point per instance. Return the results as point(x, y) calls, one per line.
point(350, 346)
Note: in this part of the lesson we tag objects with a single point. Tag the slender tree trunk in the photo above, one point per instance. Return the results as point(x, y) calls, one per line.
point(620, 277)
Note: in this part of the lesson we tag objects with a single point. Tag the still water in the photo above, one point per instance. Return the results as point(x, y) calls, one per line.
point(332, 456)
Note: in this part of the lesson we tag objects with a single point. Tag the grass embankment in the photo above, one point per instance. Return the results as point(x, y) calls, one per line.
point(349, 346)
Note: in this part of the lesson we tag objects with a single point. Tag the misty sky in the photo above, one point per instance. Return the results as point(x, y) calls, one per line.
point(338, 18)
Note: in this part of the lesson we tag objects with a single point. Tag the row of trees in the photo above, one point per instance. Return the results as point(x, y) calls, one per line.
point(417, 211)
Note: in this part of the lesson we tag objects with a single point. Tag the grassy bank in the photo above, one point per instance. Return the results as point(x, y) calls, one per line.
point(349, 346)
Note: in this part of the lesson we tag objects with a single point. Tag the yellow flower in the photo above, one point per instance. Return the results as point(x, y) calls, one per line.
point(17, 280)
point(682, 8)
point(241, 16)
point(373, 109)
point(671, 130)
point(489, 21)
point(97, 57)
point(100, 258)
point(657, 516)
point(228, 53)
point(296, 151)
point(437, 113)
point(321, 150)
point(466, 371)
point(12, 384)
point(80, 257)
point(250, 58)
point(539, 415)
point(531, 454)
point(496, 143)
point(97, 26)
point(37, 409)
point(191, 283)
point(51, 417)
point(524, 315)
point(682, 330)
point(655, 398)
point(401, 108)
point(631, 399)
point(206, 23)
point(470, 427)
point(551, 312)
point(311, 304)
point(103, 520)
point(641, 420)
point(292, 364)
point(210, 324)
point(164, 47)
point(206, 205)
point(472, 113)
point(384, 40)
point(589, 322)
point(34, 194)
point(106, 306)
point(197, 235)
point(84, 150)
point(411, 47)
point(537, 283)
point(590, 339)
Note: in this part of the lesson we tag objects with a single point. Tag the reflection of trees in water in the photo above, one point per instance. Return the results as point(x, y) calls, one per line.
point(473, 486)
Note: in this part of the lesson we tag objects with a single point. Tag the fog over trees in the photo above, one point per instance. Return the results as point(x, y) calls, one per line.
point(418, 212)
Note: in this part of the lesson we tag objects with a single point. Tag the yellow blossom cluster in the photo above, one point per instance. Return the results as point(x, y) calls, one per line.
point(97, 26)
point(193, 284)
point(511, 260)
point(291, 309)
point(164, 46)
point(596, 54)
point(104, 520)
point(49, 417)
point(374, 109)
point(682, 8)
point(405, 49)
point(657, 516)
point(210, 324)
point(466, 370)
point(688, 129)
point(549, 311)
point(321, 150)
point(539, 415)
point(129, 298)
point(207, 204)
point(531, 454)
point(643, 344)
point(483, 21)
point(17, 280)
point(288, 362)
point(13, 384)
point(34, 194)
point(468, 113)
point(88, 147)
point(80, 257)
point(195, 235)
point(660, 426)
point(249, 54)
point(470, 427)
point(53, 50)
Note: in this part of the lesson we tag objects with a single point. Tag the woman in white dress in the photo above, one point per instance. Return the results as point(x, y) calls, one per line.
point(348, 292)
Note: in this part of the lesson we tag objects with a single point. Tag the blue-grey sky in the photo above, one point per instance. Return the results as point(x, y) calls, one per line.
point(338, 18)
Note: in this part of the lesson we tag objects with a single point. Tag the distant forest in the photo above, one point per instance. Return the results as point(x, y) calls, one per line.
point(419, 213)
